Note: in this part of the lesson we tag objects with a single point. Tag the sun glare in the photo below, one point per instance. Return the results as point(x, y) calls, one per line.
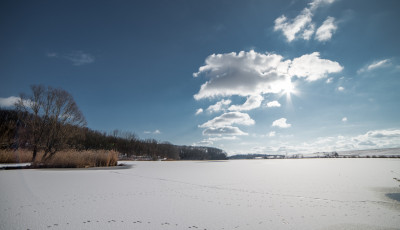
point(288, 88)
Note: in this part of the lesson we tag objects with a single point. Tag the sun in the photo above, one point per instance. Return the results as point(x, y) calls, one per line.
point(288, 88)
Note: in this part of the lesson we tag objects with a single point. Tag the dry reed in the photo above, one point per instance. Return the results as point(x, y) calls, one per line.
point(63, 159)
point(15, 156)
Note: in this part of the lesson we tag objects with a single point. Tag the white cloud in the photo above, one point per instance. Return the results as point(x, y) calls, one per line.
point(226, 130)
point(302, 25)
point(325, 31)
point(344, 119)
point(252, 102)
point(367, 143)
point(203, 143)
point(374, 139)
point(308, 32)
point(312, 67)
point(386, 138)
point(251, 73)
point(220, 105)
point(222, 125)
point(216, 137)
point(228, 119)
point(243, 74)
point(316, 3)
point(8, 101)
point(230, 138)
point(385, 133)
point(77, 58)
point(375, 65)
point(199, 111)
point(273, 104)
point(329, 80)
point(80, 58)
point(378, 64)
point(340, 88)
point(272, 134)
point(155, 132)
point(290, 28)
point(281, 123)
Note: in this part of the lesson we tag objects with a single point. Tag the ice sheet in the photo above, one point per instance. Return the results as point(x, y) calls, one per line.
point(236, 194)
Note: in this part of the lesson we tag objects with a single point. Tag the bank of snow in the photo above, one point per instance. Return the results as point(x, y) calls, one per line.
point(258, 194)
point(14, 165)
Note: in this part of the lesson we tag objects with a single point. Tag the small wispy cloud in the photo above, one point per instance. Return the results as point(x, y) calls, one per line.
point(219, 106)
point(203, 143)
point(80, 58)
point(252, 102)
point(292, 27)
point(326, 30)
point(77, 58)
point(199, 111)
point(375, 65)
point(272, 134)
point(155, 132)
point(340, 88)
point(273, 104)
point(302, 25)
point(378, 64)
point(215, 138)
point(223, 124)
point(228, 119)
point(281, 123)
point(226, 130)
point(344, 119)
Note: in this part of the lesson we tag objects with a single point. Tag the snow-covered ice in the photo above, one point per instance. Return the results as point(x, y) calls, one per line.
point(236, 194)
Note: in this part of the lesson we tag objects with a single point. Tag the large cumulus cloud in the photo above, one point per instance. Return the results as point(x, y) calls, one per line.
point(252, 73)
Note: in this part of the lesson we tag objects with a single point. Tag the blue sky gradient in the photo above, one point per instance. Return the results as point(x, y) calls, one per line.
point(134, 66)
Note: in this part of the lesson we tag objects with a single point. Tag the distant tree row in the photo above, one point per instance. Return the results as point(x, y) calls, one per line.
point(248, 156)
point(49, 120)
point(15, 134)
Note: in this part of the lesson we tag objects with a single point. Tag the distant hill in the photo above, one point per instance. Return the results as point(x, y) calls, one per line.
point(387, 152)
point(255, 156)
point(372, 152)
point(247, 156)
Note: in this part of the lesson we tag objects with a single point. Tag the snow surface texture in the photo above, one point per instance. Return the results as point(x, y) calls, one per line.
point(237, 194)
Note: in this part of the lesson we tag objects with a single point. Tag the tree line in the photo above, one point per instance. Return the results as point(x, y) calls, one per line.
point(49, 120)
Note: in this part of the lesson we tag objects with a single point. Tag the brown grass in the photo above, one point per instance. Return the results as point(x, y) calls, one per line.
point(63, 159)
point(15, 156)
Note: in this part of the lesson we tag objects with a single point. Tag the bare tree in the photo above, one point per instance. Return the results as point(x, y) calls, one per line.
point(8, 126)
point(54, 114)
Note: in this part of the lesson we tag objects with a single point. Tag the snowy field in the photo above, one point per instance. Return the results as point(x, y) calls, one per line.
point(236, 194)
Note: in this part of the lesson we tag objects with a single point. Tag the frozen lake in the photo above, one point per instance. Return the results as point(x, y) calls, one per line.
point(237, 194)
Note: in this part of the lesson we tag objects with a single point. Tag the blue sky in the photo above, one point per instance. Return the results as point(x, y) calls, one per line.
point(244, 76)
